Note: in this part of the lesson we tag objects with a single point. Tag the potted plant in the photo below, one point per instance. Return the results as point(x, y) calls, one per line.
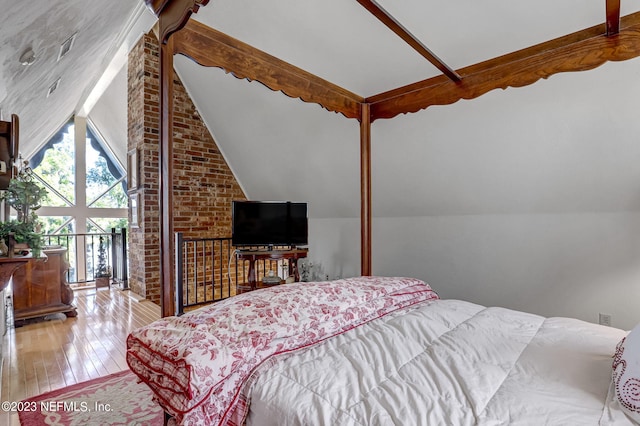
point(25, 196)
point(103, 272)
point(14, 233)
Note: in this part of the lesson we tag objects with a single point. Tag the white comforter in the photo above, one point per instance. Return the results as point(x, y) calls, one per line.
point(447, 362)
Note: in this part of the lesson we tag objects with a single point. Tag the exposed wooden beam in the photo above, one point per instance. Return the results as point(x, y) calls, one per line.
point(579, 51)
point(212, 48)
point(613, 17)
point(387, 19)
point(174, 14)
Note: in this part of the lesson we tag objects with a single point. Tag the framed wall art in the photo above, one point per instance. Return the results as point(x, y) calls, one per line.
point(132, 170)
point(134, 204)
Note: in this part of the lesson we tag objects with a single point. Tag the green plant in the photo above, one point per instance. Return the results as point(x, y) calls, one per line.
point(22, 233)
point(25, 196)
point(102, 270)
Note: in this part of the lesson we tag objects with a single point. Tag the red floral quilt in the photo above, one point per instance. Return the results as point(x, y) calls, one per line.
point(197, 364)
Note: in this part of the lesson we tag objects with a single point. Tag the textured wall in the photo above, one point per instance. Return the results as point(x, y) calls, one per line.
point(204, 186)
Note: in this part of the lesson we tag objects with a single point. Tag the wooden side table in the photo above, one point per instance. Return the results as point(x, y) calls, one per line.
point(253, 255)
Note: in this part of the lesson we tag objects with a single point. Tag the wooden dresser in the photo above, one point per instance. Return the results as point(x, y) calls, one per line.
point(40, 287)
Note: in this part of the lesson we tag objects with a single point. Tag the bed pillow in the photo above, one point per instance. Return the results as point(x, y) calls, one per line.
point(626, 373)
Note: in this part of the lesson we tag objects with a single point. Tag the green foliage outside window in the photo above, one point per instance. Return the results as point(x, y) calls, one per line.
point(99, 179)
point(58, 170)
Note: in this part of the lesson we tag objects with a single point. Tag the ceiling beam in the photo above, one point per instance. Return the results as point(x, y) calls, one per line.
point(212, 48)
point(173, 14)
point(579, 51)
point(613, 17)
point(387, 19)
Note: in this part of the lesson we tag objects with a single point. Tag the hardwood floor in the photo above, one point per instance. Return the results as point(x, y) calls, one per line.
point(48, 355)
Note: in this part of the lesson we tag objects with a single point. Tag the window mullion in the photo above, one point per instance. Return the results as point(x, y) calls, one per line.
point(80, 138)
point(52, 189)
point(105, 192)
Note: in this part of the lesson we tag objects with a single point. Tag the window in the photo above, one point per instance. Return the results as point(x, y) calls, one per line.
point(86, 185)
point(105, 176)
point(54, 164)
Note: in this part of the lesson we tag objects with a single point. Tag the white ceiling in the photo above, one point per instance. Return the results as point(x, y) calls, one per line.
point(519, 150)
point(43, 25)
point(109, 114)
point(343, 43)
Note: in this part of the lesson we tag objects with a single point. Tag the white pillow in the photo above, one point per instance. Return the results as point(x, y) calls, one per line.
point(626, 373)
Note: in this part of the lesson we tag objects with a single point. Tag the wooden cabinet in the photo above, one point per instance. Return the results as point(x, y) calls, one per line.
point(7, 267)
point(40, 287)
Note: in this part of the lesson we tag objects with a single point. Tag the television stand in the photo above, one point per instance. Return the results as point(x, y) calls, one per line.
point(253, 255)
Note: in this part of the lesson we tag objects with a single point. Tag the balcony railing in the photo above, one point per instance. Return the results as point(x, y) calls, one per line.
point(208, 271)
point(205, 271)
point(83, 252)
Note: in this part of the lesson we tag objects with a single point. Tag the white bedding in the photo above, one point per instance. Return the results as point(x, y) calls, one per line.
point(453, 363)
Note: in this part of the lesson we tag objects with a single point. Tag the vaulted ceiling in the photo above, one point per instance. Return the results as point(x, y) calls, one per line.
point(42, 27)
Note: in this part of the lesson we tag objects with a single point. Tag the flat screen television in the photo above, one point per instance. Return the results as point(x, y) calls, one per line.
point(269, 223)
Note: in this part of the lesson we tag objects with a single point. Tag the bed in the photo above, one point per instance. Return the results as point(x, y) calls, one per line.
point(383, 351)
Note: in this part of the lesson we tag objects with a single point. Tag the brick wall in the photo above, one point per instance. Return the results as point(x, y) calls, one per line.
point(203, 183)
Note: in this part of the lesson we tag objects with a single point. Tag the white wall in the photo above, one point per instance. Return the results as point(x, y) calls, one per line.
point(574, 265)
point(334, 247)
point(527, 198)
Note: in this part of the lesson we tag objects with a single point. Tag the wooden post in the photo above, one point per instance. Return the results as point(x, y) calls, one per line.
point(613, 17)
point(365, 189)
point(167, 244)
point(172, 16)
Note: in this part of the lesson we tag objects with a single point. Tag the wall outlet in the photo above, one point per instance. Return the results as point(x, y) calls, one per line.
point(604, 319)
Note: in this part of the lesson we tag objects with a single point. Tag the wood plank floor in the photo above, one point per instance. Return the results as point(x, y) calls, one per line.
point(49, 355)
